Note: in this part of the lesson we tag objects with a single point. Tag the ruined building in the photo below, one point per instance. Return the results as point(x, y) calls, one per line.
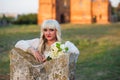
point(75, 11)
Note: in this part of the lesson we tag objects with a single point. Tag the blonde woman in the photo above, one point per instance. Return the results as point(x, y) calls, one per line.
point(40, 47)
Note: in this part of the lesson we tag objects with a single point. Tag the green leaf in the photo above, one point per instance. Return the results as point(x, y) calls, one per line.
point(60, 49)
point(49, 58)
point(66, 49)
point(58, 45)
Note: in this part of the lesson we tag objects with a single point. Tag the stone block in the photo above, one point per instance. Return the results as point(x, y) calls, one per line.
point(23, 66)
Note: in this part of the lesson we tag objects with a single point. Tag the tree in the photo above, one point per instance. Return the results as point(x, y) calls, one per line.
point(27, 19)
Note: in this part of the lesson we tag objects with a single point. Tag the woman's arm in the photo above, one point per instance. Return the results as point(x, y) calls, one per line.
point(25, 44)
point(39, 57)
point(31, 47)
point(72, 49)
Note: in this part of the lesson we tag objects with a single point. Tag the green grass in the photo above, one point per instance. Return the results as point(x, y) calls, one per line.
point(99, 46)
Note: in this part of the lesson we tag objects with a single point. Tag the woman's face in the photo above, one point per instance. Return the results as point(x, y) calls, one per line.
point(50, 34)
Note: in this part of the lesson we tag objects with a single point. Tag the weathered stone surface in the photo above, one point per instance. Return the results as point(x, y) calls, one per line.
point(23, 66)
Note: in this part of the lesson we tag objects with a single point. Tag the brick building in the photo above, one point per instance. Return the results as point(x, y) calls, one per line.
point(75, 11)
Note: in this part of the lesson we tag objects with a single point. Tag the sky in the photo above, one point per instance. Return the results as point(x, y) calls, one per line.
point(26, 6)
point(18, 6)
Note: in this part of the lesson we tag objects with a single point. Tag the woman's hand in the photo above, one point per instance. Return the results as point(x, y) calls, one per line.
point(39, 57)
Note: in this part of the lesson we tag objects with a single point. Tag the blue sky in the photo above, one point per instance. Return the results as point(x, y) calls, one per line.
point(25, 6)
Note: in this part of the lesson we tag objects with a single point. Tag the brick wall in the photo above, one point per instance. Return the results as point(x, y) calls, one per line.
point(75, 11)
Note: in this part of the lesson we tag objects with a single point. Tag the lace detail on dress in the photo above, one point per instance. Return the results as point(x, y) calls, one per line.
point(47, 48)
point(47, 51)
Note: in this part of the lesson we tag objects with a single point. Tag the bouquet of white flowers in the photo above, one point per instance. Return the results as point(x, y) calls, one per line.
point(57, 49)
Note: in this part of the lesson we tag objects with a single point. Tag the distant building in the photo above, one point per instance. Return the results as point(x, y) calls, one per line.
point(75, 11)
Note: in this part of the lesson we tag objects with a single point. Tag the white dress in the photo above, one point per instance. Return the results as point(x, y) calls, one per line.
point(25, 44)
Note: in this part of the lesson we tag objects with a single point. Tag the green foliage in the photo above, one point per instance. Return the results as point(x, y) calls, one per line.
point(66, 49)
point(98, 44)
point(26, 19)
point(58, 46)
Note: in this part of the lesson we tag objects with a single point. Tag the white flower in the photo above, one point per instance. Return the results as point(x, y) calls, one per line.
point(57, 49)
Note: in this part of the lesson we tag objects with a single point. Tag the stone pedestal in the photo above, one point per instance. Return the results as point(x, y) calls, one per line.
point(23, 66)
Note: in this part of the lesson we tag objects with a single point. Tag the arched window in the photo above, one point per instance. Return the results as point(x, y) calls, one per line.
point(62, 18)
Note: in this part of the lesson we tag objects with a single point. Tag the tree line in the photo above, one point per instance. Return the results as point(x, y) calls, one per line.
point(20, 19)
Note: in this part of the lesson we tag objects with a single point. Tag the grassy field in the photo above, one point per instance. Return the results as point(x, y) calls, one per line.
point(99, 46)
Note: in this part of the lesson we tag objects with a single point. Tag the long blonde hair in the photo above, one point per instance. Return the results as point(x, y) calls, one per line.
point(52, 24)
